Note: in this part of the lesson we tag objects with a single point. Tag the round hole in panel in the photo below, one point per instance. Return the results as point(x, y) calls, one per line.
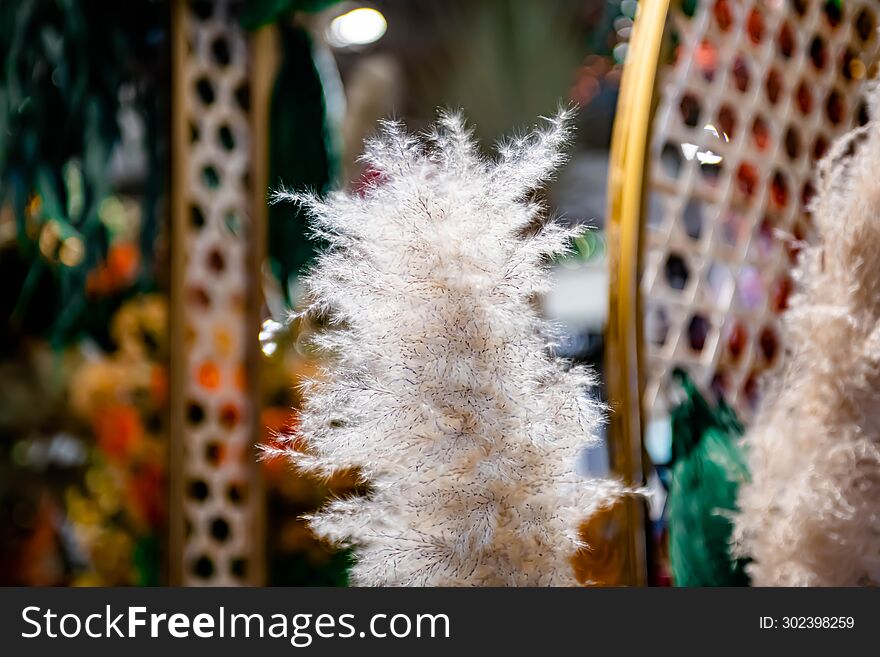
point(232, 222)
point(835, 107)
point(692, 217)
point(832, 12)
point(707, 60)
point(727, 121)
point(737, 340)
point(198, 296)
point(740, 74)
point(710, 171)
point(720, 384)
point(808, 192)
point(195, 414)
point(203, 567)
point(747, 179)
point(214, 451)
point(818, 54)
point(687, 7)
point(773, 86)
point(698, 332)
point(793, 245)
point(786, 41)
point(755, 26)
point(210, 177)
point(750, 390)
point(236, 493)
point(197, 217)
point(243, 96)
point(220, 51)
point(226, 138)
point(216, 260)
point(690, 110)
point(792, 143)
point(220, 529)
point(779, 193)
point(820, 147)
point(865, 25)
point(208, 376)
point(671, 160)
point(760, 133)
point(804, 98)
point(782, 289)
point(677, 272)
point(205, 90)
point(723, 14)
point(768, 343)
point(203, 9)
point(862, 115)
point(229, 415)
point(198, 490)
point(238, 567)
point(767, 242)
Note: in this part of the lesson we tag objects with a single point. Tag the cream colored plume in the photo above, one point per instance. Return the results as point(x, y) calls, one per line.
point(811, 514)
point(441, 387)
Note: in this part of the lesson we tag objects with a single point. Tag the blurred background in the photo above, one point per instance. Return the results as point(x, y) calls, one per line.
point(145, 346)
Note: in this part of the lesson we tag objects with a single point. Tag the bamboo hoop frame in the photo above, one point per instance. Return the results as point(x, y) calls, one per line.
point(626, 208)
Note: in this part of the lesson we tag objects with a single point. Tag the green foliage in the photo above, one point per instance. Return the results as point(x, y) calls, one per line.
point(147, 559)
point(297, 569)
point(302, 156)
point(257, 13)
point(708, 467)
point(64, 64)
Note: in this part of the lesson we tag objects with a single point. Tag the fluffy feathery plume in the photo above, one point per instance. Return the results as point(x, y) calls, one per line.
point(809, 517)
point(441, 387)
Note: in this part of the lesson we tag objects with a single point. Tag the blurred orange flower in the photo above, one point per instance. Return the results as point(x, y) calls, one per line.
point(123, 261)
point(159, 385)
point(122, 265)
point(145, 491)
point(119, 430)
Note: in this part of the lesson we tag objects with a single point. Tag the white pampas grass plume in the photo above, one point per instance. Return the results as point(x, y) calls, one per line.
point(441, 388)
point(810, 516)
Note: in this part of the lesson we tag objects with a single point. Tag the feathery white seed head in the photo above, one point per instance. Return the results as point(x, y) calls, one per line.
point(440, 386)
point(809, 517)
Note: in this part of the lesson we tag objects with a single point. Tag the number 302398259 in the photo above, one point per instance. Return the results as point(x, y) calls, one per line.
point(808, 622)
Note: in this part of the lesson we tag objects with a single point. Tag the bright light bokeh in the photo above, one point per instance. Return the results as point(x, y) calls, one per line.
point(357, 27)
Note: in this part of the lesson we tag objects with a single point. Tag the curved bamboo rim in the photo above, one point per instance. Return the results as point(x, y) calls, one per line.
point(626, 207)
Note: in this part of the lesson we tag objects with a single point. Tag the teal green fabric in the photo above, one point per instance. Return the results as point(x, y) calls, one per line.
point(708, 467)
point(302, 155)
point(257, 13)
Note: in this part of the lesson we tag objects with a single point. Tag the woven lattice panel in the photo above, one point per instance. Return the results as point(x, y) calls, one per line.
point(753, 91)
point(218, 505)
